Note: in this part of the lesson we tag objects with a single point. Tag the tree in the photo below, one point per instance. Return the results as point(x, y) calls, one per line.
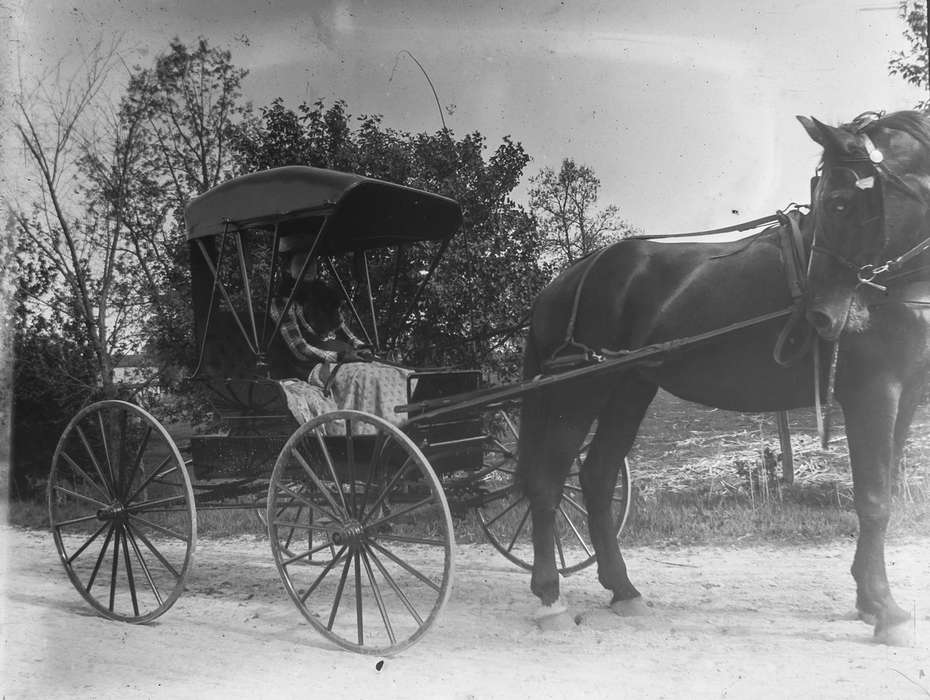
point(564, 204)
point(183, 111)
point(483, 289)
point(72, 230)
point(911, 64)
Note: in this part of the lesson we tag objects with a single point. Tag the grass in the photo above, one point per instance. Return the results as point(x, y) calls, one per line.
point(702, 476)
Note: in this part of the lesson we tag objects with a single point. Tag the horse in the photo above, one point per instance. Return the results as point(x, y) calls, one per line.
point(637, 293)
point(869, 286)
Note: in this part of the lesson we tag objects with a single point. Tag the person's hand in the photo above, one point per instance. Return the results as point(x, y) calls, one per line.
point(355, 355)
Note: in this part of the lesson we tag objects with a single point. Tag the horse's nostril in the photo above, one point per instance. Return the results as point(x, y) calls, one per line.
point(819, 320)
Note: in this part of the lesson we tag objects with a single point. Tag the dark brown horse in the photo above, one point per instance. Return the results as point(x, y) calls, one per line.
point(641, 292)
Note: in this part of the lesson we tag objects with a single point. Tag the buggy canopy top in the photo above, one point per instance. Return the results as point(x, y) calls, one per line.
point(360, 212)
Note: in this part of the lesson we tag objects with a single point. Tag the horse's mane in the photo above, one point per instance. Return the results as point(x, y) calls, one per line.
point(915, 124)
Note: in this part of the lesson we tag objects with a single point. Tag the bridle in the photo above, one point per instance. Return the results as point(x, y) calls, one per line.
point(868, 273)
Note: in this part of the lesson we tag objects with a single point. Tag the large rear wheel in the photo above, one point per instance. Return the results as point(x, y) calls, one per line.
point(366, 500)
point(122, 511)
point(504, 513)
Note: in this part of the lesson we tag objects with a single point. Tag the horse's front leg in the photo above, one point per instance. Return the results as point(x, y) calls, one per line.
point(871, 411)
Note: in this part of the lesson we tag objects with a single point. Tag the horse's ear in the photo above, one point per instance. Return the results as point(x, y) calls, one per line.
point(810, 126)
point(831, 138)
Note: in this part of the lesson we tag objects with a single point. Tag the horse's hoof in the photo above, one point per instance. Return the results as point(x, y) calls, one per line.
point(633, 607)
point(554, 618)
point(901, 634)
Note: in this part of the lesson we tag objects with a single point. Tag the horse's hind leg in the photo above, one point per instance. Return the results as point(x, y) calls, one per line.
point(552, 428)
point(618, 423)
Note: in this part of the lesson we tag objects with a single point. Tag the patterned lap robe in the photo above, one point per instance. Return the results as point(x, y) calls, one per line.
point(363, 386)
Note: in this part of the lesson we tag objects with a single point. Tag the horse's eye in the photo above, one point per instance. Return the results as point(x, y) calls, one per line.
point(838, 207)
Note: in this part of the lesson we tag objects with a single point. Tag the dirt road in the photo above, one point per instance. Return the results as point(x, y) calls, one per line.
point(728, 622)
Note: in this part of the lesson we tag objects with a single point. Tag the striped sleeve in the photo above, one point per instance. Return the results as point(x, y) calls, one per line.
point(298, 345)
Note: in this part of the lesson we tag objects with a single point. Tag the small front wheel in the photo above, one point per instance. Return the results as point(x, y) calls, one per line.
point(363, 497)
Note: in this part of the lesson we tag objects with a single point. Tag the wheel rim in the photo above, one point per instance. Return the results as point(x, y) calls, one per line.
point(380, 520)
point(122, 511)
point(504, 515)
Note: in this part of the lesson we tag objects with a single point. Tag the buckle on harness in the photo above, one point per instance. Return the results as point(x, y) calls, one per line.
point(867, 274)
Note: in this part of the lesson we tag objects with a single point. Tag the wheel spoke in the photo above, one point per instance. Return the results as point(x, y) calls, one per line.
point(394, 586)
point(378, 449)
point(129, 577)
point(306, 555)
point(319, 579)
point(157, 472)
point(575, 530)
point(316, 482)
point(411, 540)
point(399, 513)
point(100, 556)
point(290, 534)
point(358, 601)
point(93, 459)
point(106, 451)
point(328, 458)
point(404, 468)
point(376, 591)
point(400, 562)
point(158, 555)
point(146, 506)
point(87, 544)
point(137, 460)
point(507, 510)
point(520, 527)
point(337, 598)
point(313, 527)
point(577, 505)
point(84, 475)
point(309, 502)
point(80, 496)
point(160, 528)
point(350, 460)
point(116, 538)
point(144, 567)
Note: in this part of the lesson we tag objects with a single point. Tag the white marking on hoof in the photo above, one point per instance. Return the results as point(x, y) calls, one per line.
point(553, 618)
point(903, 634)
point(634, 607)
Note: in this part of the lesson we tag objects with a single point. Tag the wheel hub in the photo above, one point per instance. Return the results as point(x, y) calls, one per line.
point(351, 533)
point(114, 511)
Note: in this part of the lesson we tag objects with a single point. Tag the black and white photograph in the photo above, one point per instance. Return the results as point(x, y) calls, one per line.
point(469, 350)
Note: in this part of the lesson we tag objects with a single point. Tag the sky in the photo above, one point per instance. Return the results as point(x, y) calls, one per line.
point(685, 111)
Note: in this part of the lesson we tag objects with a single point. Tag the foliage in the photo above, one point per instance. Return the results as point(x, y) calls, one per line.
point(911, 64)
point(491, 271)
point(564, 204)
point(54, 369)
point(182, 112)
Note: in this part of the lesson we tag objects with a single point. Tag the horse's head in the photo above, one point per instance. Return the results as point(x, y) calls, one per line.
point(870, 206)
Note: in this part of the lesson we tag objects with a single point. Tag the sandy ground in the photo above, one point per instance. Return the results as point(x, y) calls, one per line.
point(728, 622)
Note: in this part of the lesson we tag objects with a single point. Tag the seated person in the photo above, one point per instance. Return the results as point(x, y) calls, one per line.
point(342, 372)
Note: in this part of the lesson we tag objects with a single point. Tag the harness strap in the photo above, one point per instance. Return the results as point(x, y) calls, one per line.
point(569, 341)
point(745, 226)
point(792, 246)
